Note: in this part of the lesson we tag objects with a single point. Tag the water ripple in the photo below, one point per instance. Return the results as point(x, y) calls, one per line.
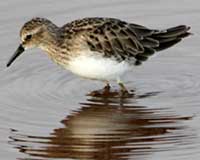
point(161, 119)
point(111, 128)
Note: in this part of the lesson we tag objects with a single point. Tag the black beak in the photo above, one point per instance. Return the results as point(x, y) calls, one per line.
point(17, 53)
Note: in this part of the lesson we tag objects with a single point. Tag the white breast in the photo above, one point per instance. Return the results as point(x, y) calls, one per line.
point(94, 66)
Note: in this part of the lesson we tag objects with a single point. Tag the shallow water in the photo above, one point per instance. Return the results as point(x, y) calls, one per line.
point(46, 115)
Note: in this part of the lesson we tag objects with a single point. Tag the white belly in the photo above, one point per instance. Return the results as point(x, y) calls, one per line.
point(97, 67)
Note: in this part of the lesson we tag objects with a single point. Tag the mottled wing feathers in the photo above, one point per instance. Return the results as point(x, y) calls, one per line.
point(122, 40)
point(125, 41)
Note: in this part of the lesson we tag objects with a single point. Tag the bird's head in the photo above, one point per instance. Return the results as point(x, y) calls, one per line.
point(32, 34)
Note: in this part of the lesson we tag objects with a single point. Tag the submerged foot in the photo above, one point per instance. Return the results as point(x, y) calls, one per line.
point(124, 91)
point(102, 92)
point(107, 92)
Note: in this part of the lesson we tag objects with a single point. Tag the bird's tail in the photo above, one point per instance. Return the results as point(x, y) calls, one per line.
point(157, 40)
point(170, 37)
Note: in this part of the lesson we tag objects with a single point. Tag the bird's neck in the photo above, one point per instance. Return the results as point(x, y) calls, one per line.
point(51, 39)
point(53, 45)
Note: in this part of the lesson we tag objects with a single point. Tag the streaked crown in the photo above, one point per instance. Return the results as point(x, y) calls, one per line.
point(35, 30)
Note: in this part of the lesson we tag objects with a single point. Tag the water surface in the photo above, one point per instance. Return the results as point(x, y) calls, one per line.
point(46, 115)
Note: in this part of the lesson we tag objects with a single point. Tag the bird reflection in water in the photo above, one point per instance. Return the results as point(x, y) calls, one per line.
point(106, 128)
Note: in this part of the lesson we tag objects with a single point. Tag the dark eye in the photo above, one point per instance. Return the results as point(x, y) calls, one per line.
point(28, 37)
